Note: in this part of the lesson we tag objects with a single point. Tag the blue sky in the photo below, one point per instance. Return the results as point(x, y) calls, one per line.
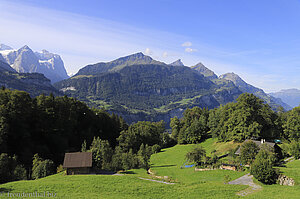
point(256, 39)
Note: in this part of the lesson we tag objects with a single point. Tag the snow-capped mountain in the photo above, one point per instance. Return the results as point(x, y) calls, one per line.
point(52, 62)
point(24, 60)
point(5, 47)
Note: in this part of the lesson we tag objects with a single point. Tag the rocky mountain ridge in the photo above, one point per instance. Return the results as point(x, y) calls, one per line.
point(247, 88)
point(140, 88)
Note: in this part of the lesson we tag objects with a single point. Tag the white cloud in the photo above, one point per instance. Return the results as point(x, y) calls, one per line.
point(165, 54)
point(82, 40)
point(190, 50)
point(148, 51)
point(187, 44)
point(79, 39)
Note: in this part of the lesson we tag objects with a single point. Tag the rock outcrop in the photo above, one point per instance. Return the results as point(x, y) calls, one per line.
point(284, 180)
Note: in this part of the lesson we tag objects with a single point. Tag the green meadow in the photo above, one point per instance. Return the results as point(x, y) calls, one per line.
point(188, 183)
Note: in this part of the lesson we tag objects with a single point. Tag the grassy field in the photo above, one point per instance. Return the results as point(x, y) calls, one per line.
point(169, 162)
point(292, 170)
point(189, 184)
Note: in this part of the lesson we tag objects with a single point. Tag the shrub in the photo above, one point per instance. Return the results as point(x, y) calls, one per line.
point(102, 154)
point(10, 170)
point(197, 155)
point(60, 169)
point(144, 155)
point(156, 148)
point(248, 152)
point(295, 149)
point(5, 172)
point(41, 168)
point(227, 179)
point(262, 168)
point(20, 173)
point(129, 160)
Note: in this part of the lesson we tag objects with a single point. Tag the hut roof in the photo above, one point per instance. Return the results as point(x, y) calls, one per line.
point(78, 160)
point(258, 143)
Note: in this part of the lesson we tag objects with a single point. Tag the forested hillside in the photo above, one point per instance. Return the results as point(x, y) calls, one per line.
point(50, 126)
point(33, 83)
point(140, 88)
point(35, 133)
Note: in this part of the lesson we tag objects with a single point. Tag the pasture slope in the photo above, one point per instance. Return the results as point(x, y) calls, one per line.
point(188, 183)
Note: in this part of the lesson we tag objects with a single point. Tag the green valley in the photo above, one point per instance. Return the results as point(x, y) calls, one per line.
point(188, 183)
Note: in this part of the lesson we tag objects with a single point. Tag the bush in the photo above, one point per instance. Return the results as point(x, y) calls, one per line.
point(42, 168)
point(226, 179)
point(60, 169)
point(197, 155)
point(248, 152)
point(102, 154)
point(285, 149)
point(5, 172)
point(156, 148)
point(168, 140)
point(20, 173)
point(295, 149)
point(10, 170)
point(144, 155)
point(129, 160)
point(262, 168)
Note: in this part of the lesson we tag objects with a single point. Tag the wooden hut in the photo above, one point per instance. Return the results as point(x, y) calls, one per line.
point(258, 143)
point(78, 163)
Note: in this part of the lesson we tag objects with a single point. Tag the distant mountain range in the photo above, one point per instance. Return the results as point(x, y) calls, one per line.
point(24, 60)
point(289, 96)
point(140, 88)
point(136, 86)
point(247, 88)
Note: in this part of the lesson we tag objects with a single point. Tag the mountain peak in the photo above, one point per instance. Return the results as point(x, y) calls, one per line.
point(230, 76)
point(177, 63)
point(5, 47)
point(237, 80)
point(139, 54)
point(135, 56)
point(134, 59)
point(25, 48)
point(204, 71)
point(118, 64)
point(200, 65)
point(45, 51)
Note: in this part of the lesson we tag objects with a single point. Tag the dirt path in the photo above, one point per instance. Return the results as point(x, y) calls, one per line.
point(246, 180)
point(156, 181)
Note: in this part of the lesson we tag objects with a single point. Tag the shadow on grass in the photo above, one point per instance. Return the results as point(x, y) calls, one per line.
point(168, 165)
point(5, 190)
point(281, 164)
point(127, 172)
point(102, 172)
